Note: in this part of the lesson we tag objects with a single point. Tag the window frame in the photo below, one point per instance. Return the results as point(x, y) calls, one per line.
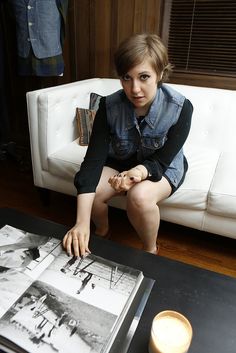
point(201, 78)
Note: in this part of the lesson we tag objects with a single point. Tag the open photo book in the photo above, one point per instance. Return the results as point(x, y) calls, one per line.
point(50, 302)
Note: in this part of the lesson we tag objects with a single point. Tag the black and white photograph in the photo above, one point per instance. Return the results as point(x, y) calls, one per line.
point(75, 305)
point(21, 261)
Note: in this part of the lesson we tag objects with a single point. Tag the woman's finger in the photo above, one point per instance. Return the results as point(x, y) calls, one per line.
point(65, 240)
point(68, 245)
point(75, 242)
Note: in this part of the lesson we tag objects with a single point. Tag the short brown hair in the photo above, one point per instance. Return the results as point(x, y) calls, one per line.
point(135, 49)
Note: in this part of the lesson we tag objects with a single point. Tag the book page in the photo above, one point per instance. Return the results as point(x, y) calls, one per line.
point(72, 307)
point(23, 257)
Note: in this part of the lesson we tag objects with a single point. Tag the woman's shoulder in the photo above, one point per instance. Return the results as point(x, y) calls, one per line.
point(171, 94)
point(115, 98)
point(187, 106)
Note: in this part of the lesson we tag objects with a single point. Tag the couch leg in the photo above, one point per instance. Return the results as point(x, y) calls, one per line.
point(44, 195)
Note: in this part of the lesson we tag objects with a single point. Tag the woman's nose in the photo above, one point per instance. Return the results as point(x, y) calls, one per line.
point(135, 87)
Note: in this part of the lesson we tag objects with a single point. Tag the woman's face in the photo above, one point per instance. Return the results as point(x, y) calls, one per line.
point(140, 86)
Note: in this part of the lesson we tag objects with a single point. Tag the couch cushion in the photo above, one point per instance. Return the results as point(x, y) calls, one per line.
point(222, 193)
point(193, 193)
point(66, 161)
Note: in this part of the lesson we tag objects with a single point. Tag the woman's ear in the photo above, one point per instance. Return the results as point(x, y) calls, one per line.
point(159, 80)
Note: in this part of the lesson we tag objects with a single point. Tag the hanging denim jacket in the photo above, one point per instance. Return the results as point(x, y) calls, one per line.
point(128, 138)
point(38, 27)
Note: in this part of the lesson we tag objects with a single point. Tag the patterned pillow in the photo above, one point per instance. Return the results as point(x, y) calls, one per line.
point(85, 118)
point(94, 101)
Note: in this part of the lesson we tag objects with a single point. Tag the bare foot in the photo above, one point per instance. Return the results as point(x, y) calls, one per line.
point(154, 251)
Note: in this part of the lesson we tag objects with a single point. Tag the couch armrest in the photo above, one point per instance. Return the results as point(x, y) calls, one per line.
point(51, 118)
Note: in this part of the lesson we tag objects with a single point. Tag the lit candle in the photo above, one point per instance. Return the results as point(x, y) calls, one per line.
point(171, 333)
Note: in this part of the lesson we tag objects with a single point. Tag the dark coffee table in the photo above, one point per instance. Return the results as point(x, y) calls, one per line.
point(206, 298)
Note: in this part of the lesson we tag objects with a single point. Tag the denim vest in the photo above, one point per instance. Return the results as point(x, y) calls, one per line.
point(38, 27)
point(128, 138)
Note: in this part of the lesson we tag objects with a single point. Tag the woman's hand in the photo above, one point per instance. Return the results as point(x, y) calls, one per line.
point(125, 180)
point(76, 240)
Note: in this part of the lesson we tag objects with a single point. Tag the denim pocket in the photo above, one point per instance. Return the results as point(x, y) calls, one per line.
point(122, 148)
point(154, 143)
point(151, 144)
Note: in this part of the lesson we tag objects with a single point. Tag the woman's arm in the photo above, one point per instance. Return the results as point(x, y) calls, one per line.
point(76, 239)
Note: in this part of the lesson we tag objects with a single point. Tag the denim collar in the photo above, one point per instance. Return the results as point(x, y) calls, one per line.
point(152, 116)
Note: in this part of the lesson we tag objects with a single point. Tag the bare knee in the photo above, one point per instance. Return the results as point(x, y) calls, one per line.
point(100, 198)
point(138, 199)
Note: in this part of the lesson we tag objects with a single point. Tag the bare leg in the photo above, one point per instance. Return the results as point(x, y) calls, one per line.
point(100, 209)
point(143, 211)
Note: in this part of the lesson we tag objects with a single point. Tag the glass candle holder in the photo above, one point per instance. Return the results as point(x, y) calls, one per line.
point(171, 332)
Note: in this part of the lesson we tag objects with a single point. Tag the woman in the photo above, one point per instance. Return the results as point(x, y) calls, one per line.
point(135, 146)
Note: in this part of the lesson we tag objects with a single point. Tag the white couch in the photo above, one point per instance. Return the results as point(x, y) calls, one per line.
point(207, 198)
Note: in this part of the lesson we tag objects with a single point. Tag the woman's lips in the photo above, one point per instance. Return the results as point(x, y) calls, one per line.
point(138, 98)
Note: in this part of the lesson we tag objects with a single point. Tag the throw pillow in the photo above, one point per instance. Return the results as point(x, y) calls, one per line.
point(94, 101)
point(85, 118)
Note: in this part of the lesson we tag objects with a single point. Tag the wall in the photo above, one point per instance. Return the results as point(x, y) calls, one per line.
point(100, 25)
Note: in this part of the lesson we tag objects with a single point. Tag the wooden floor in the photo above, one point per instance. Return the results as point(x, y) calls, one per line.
point(216, 253)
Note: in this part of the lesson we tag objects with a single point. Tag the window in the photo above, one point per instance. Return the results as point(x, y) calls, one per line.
point(201, 40)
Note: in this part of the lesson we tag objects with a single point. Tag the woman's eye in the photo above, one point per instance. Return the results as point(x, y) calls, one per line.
point(126, 78)
point(144, 77)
